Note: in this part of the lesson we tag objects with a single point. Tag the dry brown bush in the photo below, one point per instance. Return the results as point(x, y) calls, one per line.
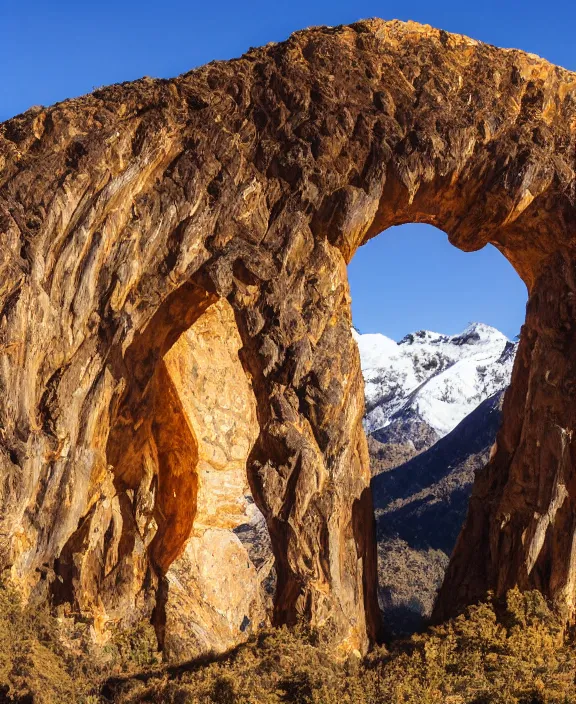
point(511, 653)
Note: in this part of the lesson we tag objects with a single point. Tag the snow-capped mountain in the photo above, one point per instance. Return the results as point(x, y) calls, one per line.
point(433, 408)
point(432, 378)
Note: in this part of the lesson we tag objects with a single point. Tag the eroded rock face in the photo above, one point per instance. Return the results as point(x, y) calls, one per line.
point(181, 492)
point(125, 215)
point(215, 594)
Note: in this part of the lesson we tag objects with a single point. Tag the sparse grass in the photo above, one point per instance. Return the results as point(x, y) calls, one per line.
point(507, 654)
point(512, 653)
point(409, 582)
point(34, 665)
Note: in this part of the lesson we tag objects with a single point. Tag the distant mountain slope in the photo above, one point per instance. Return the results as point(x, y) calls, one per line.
point(430, 378)
point(432, 413)
point(420, 507)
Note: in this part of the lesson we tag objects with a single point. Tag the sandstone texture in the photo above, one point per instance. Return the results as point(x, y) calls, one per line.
point(127, 215)
point(214, 592)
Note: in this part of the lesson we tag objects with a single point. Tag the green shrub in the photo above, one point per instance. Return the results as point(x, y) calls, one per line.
point(134, 649)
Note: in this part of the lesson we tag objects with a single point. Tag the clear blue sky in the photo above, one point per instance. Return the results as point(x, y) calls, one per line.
point(54, 50)
point(411, 278)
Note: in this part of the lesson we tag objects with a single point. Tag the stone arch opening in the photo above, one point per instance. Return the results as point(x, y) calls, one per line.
point(487, 554)
point(434, 379)
point(178, 539)
point(474, 213)
point(267, 173)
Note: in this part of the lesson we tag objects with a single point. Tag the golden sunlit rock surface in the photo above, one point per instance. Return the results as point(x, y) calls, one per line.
point(127, 216)
point(214, 590)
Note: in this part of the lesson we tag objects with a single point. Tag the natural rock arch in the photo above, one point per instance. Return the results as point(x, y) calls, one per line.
point(255, 180)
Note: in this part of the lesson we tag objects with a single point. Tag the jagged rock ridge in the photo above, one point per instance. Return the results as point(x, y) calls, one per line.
point(432, 378)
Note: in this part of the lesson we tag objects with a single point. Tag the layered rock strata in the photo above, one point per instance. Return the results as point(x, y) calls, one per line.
point(215, 592)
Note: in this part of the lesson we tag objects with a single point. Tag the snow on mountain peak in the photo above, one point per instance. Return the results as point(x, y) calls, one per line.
point(436, 378)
